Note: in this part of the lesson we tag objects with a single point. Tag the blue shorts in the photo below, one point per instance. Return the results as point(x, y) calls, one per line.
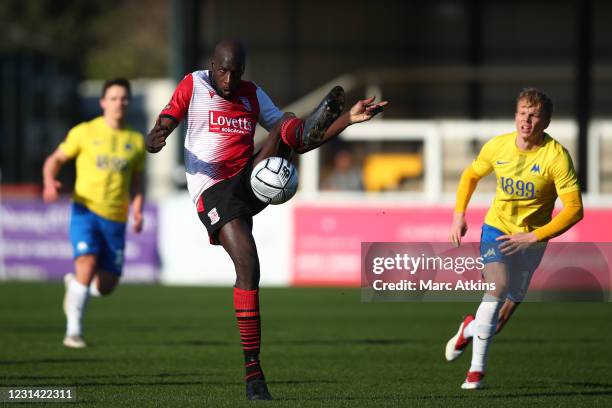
point(92, 234)
point(520, 266)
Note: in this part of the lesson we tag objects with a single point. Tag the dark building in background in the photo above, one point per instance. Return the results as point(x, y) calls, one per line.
point(38, 104)
point(295, 46)
point(437, 59)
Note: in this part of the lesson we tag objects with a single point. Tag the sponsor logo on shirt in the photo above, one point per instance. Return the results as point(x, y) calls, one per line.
point(105, 162)
point(535, 168)
point(227, 122)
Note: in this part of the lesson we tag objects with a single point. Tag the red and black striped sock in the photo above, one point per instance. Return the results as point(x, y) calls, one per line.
point(291, 132)
point(246, 304)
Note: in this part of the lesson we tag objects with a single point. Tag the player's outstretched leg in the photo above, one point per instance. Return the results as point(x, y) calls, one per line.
point(301, 135)
point(304, 135)
point(459, 342)
point(323, 116)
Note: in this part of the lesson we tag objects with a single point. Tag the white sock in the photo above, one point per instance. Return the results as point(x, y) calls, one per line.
point(93, 289)
point(483, 330)
point(468, 331)
point(76, 301)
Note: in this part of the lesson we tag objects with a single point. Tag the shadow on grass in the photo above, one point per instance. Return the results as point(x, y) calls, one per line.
point(555, 394)
point(65, 377)
point(140, 384)
point(53, 361)
point(31, 329)
point(141, 380)
point(203, 383)
point(542, 340)
point(305, 342)
point(343, 342)
point(587, 384)
point(470, 395)
point(204, 343)
point(299, 382)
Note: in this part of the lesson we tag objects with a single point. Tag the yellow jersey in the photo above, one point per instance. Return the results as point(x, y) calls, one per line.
point(528, 182)
point(106, 160)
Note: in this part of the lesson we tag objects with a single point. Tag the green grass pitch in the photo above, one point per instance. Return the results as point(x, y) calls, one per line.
point(153, 346)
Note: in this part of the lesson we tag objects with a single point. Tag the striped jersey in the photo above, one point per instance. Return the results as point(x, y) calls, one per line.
point(219, 132)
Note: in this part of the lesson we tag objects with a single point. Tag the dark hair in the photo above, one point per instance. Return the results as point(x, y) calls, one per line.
point(117, 81)
point(535, 97)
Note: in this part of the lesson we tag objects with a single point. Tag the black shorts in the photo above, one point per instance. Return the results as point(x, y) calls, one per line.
point(226, 200)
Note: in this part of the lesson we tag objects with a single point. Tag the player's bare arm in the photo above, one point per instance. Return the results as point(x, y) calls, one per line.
point(362, 111)
point(365, 110)
point(52, 166)
point(156, 139)
point(137, 200)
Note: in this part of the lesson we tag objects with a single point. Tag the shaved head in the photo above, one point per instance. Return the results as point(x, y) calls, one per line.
point(227, 67)
point(227, 50)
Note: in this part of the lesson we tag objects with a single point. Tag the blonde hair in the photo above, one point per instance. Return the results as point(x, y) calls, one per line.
point(535, 97)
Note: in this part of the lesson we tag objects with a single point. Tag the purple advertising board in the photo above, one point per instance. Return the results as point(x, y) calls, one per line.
point(34, 243)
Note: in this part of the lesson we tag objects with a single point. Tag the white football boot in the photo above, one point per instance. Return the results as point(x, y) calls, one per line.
point(458, 343)
point(473, 381)
point(74, 342)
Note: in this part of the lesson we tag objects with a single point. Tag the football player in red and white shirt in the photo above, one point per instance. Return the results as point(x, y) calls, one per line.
point(221, 112)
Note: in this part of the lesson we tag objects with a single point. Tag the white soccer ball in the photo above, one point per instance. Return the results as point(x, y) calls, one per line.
point(274, 180)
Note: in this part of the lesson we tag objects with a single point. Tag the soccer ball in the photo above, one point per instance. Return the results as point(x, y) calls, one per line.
point(274, 180)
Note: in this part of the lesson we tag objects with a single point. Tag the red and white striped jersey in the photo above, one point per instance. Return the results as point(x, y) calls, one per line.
point(219, 134)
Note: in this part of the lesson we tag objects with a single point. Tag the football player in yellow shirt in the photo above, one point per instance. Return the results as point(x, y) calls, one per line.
point(532, 169)
point(109, 171)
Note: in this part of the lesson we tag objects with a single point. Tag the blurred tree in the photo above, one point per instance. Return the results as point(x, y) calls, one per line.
point(44, 27)
point(131, 40)
point(105, 37)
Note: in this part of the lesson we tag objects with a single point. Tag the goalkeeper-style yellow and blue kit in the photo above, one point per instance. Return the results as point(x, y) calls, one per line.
point(106, 160)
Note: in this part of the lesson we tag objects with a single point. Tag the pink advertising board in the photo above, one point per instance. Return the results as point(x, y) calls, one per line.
point(327, 238)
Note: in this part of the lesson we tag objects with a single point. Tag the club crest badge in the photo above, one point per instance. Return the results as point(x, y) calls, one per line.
point(214, 216)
